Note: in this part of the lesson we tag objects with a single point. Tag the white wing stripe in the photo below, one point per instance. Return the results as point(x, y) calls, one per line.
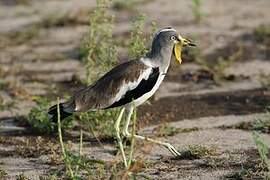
point(127, 86)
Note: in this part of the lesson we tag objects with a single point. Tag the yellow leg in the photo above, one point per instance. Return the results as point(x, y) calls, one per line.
point(128, 135)
point(119, 140)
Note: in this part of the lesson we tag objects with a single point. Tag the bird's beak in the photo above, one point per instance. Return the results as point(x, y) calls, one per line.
point(178, 47)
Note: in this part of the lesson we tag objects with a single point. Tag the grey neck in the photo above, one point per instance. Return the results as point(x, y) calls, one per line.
point(160, 57)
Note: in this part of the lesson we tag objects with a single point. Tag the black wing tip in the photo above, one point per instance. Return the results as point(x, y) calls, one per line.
point(52, 112)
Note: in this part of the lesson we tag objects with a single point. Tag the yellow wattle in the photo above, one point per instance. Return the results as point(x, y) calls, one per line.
point(178, 52)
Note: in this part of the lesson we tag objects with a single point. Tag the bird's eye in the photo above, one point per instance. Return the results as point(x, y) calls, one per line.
point(173, 38)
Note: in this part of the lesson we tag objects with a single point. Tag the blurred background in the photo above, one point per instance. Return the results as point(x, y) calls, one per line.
point(210, 104)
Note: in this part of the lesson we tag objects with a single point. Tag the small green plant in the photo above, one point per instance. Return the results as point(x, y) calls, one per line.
point(3, 173)
point(26, 35)
point(21, 177)
point(66, 160)
point(123, 4)
point(37, 117)
point(56, 19)
point(39, 120)
point(17, 2)
point(217, 69)
point(262, 33)
point(127, 4)
point(263, 124)
point(137, 45)
point(264, 153)
point(265, 82)
point(73, 162)
point(100, 121)
point(98, 48)
point(197, 152)
point(240, 174)
point(168, 130)
point(197, 10)
point(6, 105)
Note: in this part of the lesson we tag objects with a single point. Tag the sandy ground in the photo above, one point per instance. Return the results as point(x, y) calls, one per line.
point(187, 99)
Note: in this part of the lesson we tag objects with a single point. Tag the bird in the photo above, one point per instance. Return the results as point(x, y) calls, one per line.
point(129, 85)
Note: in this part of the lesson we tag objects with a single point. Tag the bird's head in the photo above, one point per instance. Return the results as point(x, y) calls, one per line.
point(168, 38)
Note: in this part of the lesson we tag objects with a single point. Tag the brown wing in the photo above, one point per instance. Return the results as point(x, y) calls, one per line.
point(104, 92)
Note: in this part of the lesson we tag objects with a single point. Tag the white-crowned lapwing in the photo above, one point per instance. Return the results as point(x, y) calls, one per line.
point(129, 84)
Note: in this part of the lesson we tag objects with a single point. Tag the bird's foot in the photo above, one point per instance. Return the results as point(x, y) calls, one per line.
point(172, 150)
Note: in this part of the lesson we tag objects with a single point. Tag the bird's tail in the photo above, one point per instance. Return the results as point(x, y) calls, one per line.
point(64, 112)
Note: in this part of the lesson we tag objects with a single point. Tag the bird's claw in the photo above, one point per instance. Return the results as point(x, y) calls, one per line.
point(172, 150)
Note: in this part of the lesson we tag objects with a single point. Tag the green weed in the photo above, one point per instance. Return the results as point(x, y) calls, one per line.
point(197, 152)
point(98, 48)
point(67, 162)
point(39, 120)
point(4, 105)
point(262, 33)
point(263, 124)
point(63, 19)
point(100, 121)
point(197, 10)
point(137, 46)
point(123, 4)
point(217, 69)
point(265, 81)
point(3, 173)
point(26, 35)
point(17, 2)
point(73, 162)
point(127, 4)
point(19, 37)
point(167, 130)
point(138, 43)
point(21, 177)
point(264, 153)
point(241, 174)
point(259, 124)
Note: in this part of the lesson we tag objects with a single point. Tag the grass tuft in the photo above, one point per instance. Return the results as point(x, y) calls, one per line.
point(21, 177)
point(100, 121)
point(138, 43)
point(264, 152)
point(197, 152)
point(39, 120)
point(241, 174)
point(165, 130)
point(74, 162)
point(217, 69)
point(37, 117)
point(262, 33)
point(262, 124)
point(98, 48)
point(6, 105)
point(26, 35)
point(3, 173)
point(123, 5)
point(66, 160)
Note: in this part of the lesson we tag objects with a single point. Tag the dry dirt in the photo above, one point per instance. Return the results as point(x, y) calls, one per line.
point(47, 63)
